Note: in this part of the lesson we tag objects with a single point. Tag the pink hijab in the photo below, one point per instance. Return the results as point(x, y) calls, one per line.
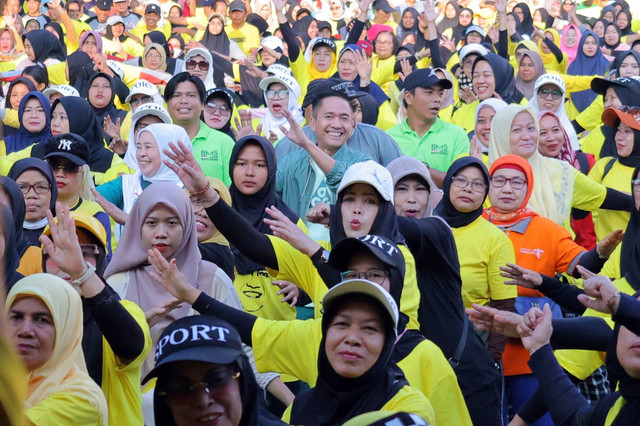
point(571, 52)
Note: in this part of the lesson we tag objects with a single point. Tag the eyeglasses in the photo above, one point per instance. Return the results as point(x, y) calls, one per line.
point(204, 66)
point(635, 111)
point(636, 184)
point(280, 94)
point(181, 390)
point(66, 166)
point(140, 101)
point(375, 275)
point(153, 56)
point(211, 107)
point(384, 43)
point(555, 94)
point(38, 188)
point(460, 182)
point(515, 183)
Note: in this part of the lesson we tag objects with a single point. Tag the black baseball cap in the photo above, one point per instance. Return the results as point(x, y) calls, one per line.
point(383, 5)
point(322, 41)
point(322, 88)
point(425, 78)
point(237, 5)
point(196, 338)
point(152, 8)
point(600, 85)
point(104, 4)
point(323, 24)
point(382, 248)
point(68, 145)
point(221, 92)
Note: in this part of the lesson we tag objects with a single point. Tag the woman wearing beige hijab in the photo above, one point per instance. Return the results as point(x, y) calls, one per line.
point(45, 314)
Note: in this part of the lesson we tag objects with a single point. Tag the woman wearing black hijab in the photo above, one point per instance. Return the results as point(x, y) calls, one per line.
point(9, 255)
point(448, 22)
point(46, 47)
point(503, 75)
point(526, 23)
point(217, 118)
point(13, 102)
point(59, 32)
point(101, 98)
point(34, 226)
point(29, 255)
point(366, 109)
point(465, 20)
point(80, 71)
point(218, 42)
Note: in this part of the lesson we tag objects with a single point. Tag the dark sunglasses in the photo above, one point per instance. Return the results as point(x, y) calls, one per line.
point(181, 389)
point(555, 94)
point(65, 165)
point(204, 66)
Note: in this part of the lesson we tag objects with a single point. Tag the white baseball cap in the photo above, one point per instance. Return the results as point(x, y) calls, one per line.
point(371, 173)
point(115, 19)
point(468, 49)
point(63, 89)
point(142, 87)
point(272, 42)
point(116, 68)
point(359, 286)
point(151, 109)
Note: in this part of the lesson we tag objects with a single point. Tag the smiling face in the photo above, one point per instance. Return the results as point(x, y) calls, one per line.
point(220, 405)
point(411, 197)
point(483, 80)
point(322, 58)
point(624, 140)
point(483, 125)
point(34, 118)
point(277, 99)
point(197, 70)
point(333, 122)
point(598, 28)
point(360, 204)
point(36, 203)
point(506, 199)
point(148, 154)
point(250, 171)
point(185, 105)
point(347, 66)
point(17, 93)
point(549, 97)
point(34, 332)
point(523, 137)
point(384, 44)
point(162, 230)
point(59, 120)
point(571, 37)
point(100, 92)
point(551, 137)
point(355, 338)
point(629, 67)
point(205, 228)
point(6, 41)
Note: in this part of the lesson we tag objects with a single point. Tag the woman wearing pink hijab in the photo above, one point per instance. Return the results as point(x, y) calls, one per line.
point(570, 41)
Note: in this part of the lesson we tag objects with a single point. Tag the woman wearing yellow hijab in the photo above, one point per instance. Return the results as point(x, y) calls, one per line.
point(552, 57)
point(45, 314)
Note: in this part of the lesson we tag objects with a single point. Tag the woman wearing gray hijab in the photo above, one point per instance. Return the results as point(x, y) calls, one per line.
point(415, 195)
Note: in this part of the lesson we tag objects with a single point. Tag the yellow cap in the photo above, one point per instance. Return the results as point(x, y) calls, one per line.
point(86, 222)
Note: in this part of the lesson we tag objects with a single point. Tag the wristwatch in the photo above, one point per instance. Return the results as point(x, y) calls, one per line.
point(320, 257)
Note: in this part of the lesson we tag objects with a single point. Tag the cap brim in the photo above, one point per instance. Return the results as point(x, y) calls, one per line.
point(611, 115)
point(198, 353)
point(386, 9)
point(220, 92)
point(132, 94)
point(324, 43)
point(71, 157)
point(362, 287)
point(600, 85)
point(50, 91)
point(344, 185)
point(342, 253)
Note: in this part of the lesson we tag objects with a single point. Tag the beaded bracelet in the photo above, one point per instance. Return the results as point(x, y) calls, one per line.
point(202, 191)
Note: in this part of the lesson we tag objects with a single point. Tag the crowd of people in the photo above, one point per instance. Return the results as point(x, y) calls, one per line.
point(359, 212)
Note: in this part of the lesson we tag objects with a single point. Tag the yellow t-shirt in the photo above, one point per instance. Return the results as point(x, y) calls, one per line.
point(141, 29)
point(297, 268)
point(617, 178)
point(482, 249)
point(592, 143)
point(291, 347)
point(120, 382)
point(591, 116)
point(247, 37)
point(587, 194)
point(611, 267)
point(31, 261)
point(465, 116)
point(64, 408)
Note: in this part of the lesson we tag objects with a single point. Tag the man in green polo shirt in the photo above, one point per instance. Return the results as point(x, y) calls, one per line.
point(185, 96)
point(422, 134)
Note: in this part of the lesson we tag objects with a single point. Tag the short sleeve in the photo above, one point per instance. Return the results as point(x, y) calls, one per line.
point(501, 255)
point(567, 251)
point(64, 408)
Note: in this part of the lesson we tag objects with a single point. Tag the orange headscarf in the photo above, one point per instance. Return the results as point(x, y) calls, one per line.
point(522, 212)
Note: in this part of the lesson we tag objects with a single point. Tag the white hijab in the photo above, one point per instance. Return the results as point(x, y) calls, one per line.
point(269, 122)
point(142, 111)
point(208, 80)
point(164, 134)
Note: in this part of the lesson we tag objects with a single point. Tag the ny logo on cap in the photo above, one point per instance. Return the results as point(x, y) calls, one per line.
point(64, 145)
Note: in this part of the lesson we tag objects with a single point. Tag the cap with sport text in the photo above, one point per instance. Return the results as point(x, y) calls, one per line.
point(63, 89)
point(425, 78)
point(68, 145)
point(600, 85)
point(142, 87)
point(382, 248)
point(197, 338)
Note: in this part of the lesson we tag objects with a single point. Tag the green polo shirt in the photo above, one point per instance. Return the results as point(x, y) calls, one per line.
point(212, 150)
point(438, 148)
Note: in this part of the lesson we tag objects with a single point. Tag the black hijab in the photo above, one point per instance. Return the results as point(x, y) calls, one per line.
point(504, 77)
point(300, 27)
point(45, 45)
point(21, 166)
point(370, 109)
point(402, 30)
point(628, 95)
point(626, 30)
point(604, 24)
point(526, 26)
point(446, 209)
point(110, 109)
point(80, 71)
point(8, 130)
point(83, 122)
point(228, 95)
point(258, 22)
point(18, 209)
point(448, 22)
point(252, 207)
point(459, 31)
point(336, 399)
point(10, 255)
point(216, 42)
point(630, 251)
point(58, 29)
point(612, 46)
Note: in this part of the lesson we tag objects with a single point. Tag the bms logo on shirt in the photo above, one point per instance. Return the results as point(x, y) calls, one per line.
point(209, 155)
point(535, 251)
point(439, 149)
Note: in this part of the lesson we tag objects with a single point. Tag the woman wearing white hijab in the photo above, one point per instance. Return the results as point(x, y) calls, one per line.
point(553, 81)
point(60, 390)
point(558, 186)
point(194, 66)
